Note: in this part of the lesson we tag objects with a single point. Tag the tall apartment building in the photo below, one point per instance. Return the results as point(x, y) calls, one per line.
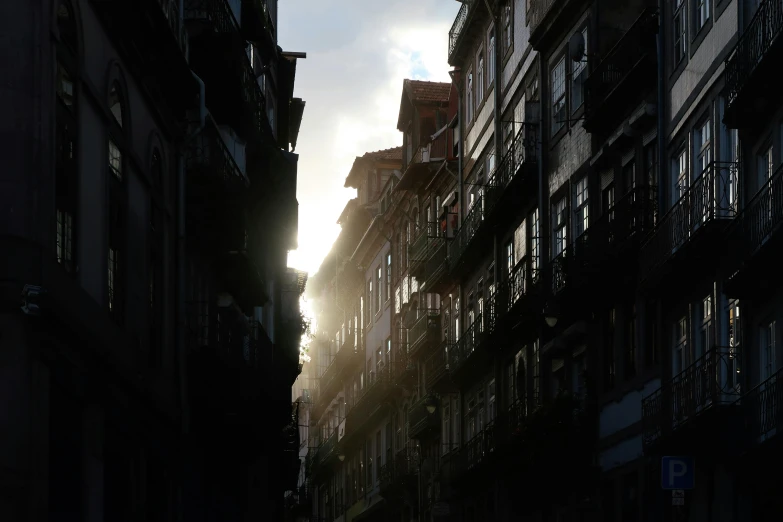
point(150, 328)
point(580, 270)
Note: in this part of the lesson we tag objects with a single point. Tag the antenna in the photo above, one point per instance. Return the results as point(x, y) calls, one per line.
point(576, 46)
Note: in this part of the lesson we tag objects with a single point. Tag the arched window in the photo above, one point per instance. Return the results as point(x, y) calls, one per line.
point(155, 263)
point(117, 226)
point(66, 166)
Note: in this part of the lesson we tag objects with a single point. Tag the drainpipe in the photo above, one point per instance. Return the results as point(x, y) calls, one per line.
point(543, 185)
point(180, 300)
point(661, 110)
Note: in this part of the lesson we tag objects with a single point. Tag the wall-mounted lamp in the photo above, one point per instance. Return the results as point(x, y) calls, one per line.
point(431, 405)
point(341, 457)
point(550, 315)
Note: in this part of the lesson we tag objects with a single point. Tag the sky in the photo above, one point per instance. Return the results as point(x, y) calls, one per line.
point(358, 54)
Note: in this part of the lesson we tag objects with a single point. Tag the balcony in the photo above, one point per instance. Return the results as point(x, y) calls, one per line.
point(420, 421)
point(609, 245)
point(755, 239)
point(751, 68)
point(466, 26)
point(467, 464)
point(399, 475)
point(470, 348)
point(693, 412)
point(467, 243)
point(436, 369)
point(219, 57)
point(762, 409)
point(549, 18)
point(257, 25)
point(368, 406)
point(425, 333)
point(687, 238)
point(516, 298)
point(423, 246)
point(432, 153)
point(619, 82)
point(516, 177)
point(151, 37)
point(324, 455)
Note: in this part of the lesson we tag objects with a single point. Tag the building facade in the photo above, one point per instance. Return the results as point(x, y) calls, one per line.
point(594, 265)
point(147, 371)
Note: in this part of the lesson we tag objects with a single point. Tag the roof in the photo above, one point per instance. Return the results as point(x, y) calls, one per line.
point(426, 92)
point(395, 153)
point(419, 92)
point(391, 155)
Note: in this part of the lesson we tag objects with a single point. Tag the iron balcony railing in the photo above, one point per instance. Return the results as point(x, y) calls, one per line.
point(473, 453)
point(426, 327)
point(170, 10)
point(437, 365)
point(763, 214)
point(522, 151)
point(470, 225)
point(538, 11)
point(434, 150)
point(753, 45)
point(404, 465)
point(209, 154)
point(217, 13)
point(459, 24)
point(712, 380)
point(712, 197)
point(468, 342)
point(763, 409)
point(427, 237)
point(635, 45)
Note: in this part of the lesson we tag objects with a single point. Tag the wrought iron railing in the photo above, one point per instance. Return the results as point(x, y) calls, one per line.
point(170, 10)
point(459, 24)
point(712, 380)
point(538, 11)
point(763, 409)
point(403, 465)
point(479, 448)
point(522, 151)
point(437, 365)
point(421, 249)
point(426, 327)
point(216, 12)
point(436, 264)
point(712, 197)
point(763, 214)
point(208, 153)
point(469, 341)
point(635, 45)
point(753, 45)
point(470, 225)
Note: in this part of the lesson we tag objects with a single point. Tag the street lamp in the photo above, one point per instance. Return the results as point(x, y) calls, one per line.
point(341, 457)
point(431, 405)
point(550, 315)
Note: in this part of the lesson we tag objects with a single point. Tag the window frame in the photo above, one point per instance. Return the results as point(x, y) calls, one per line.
point(558, 96)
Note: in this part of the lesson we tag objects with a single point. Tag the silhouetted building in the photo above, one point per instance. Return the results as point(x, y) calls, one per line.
point(150, 327)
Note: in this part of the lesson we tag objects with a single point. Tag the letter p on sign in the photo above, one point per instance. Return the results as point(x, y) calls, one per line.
point(677, 473)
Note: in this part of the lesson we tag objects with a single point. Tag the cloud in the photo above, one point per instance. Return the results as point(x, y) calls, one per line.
point(358, 53)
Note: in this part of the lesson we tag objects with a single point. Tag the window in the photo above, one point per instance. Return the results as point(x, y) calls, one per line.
point(559, 222)
point(480, 79)
point(651, 177)
point(557, 78)
point(535, 249)
point(652, 353)
point(681, 356)
point(491, 56)
point(681, 182)
point(388, 275)
point(379, 291)
point(578, 75)
point(469, 97)
point(581, 212)
point(702, 13)
point(629, 369)
point(508, 27)
point(703, 150)
point(115, 103)
point(369, 301)
point(510, 257)
point(117, 205)
point(765, 166)
point(66, 170)
point(609, 368)
point(115, 160)
point(768, 350)
point(113, 276)
point(156, 251)
point(678, 31)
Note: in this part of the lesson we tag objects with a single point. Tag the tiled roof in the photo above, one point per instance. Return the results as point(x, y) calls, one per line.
point(421, 91)
point(394, 153)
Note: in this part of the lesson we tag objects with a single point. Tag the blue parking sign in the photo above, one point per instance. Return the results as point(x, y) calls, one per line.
point(677, 473)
